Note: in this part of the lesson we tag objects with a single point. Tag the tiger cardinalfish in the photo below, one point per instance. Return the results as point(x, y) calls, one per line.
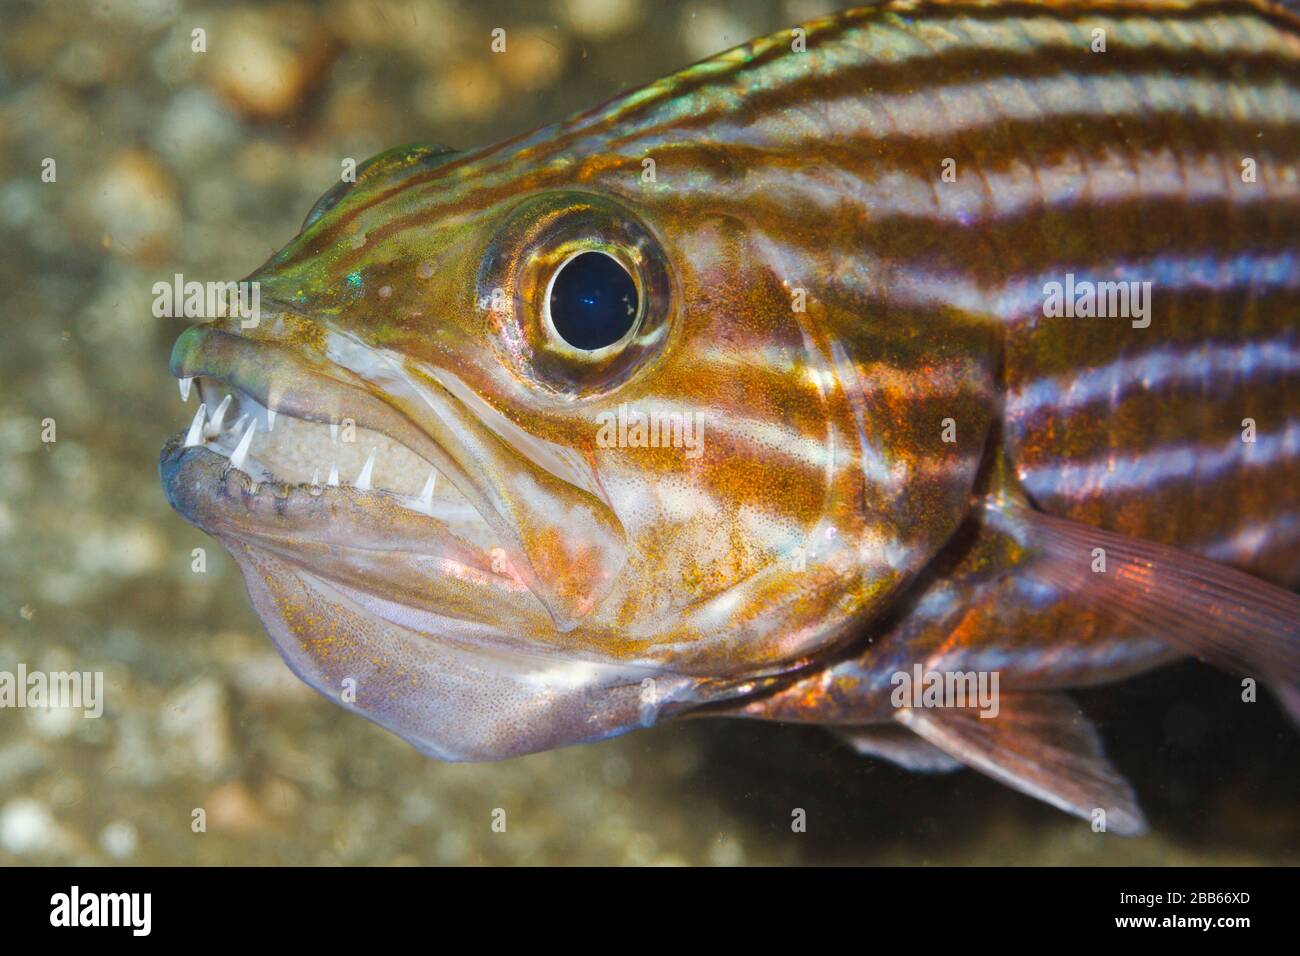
point(927, 339)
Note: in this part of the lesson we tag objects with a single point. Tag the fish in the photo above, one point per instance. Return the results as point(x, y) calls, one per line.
point(893, 374)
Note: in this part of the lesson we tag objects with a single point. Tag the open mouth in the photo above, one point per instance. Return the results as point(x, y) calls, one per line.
point(360, 451)
point(280, 453)
point(322, 442)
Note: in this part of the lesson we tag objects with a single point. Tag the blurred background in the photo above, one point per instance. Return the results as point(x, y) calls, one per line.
point(172, 161)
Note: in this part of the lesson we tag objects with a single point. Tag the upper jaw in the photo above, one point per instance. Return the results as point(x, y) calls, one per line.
point(288, 427)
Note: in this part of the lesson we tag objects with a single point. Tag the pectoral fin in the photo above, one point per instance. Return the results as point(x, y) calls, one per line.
point(898, 746)
point(1195, 605)
point(1042, 745)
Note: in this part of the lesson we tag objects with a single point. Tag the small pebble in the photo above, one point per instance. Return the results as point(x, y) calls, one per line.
point(133, 203)
point(119, 840)
point(28, 828)
point(600, 19)
point(266, 61)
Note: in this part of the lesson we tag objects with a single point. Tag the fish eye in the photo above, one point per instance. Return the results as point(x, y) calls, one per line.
point(592, 302)
point(576, 293)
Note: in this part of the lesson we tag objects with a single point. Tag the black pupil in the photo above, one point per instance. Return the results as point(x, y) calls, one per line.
point(593, 301)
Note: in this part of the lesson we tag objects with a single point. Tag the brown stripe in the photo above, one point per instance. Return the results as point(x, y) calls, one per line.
point(692, 81)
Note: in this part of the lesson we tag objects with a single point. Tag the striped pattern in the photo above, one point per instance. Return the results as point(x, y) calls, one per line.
point(823, 171)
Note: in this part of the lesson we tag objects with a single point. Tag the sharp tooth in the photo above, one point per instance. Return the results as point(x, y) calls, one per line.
point(241, 450)
point(185, 383)
point(334, 475)
point(315, 478)
point(334, 431)
point(195, 436)
point(426, 494)
point(363, 479)
point(214, 426)
point(270, 419)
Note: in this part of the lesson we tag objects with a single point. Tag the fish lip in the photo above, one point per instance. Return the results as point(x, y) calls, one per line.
point(211, 475)
point(227, 502)
point(198, 355)
point(322, 395)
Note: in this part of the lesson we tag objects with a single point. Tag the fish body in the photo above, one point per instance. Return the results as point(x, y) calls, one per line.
point(964, 340)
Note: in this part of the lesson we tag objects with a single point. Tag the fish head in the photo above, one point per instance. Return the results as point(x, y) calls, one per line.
point(538, 453)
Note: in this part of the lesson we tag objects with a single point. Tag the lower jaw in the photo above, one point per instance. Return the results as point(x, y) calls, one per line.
point(204, 487)
point(369, 541)
point(360, 593)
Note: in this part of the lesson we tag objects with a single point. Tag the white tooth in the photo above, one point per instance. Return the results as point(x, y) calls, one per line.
point(241, 450)
point(363, 479)
point(195, 436)
point(334, 431)
point(426, 494)
point(315, 478)
point(334, 474)
point(239, 423)
point(185, 388)
point(272, 400)
point(214, 426)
